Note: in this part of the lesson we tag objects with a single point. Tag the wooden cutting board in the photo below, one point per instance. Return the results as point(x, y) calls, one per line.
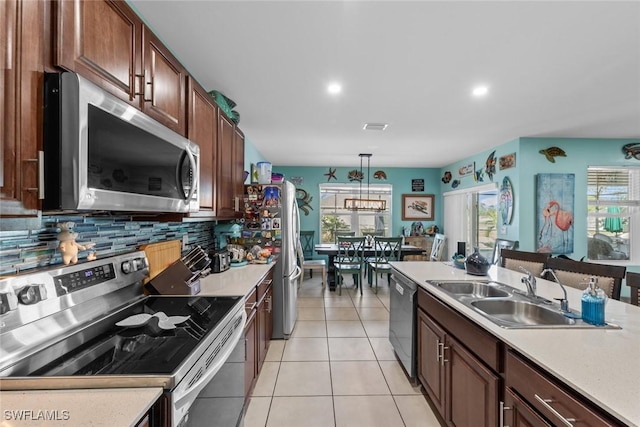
point(160, 256)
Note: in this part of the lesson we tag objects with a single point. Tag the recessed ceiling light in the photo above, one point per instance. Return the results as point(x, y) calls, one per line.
point(334, 88)
point(480, 91)
point(375, 126)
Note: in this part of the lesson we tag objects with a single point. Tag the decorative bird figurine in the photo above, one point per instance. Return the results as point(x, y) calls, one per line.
point(331, 174)
point(552, 152)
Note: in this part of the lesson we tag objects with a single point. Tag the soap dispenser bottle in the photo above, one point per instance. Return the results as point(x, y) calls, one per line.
point(593, 302)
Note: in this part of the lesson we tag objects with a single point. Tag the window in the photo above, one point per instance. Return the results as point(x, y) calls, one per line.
point(334, 217)
point(471, 216)
point(613, 206)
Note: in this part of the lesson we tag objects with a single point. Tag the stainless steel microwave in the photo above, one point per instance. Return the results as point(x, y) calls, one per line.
point(101, 153)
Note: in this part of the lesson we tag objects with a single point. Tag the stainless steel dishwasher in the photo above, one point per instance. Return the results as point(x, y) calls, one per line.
point(402, 321)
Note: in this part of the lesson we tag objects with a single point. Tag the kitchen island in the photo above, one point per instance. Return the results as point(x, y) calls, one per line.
point(598, 364)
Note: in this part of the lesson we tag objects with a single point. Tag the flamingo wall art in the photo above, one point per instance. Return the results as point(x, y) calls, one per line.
point(555, 199)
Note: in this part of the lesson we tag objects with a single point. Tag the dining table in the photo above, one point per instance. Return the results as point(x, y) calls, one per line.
point(331, 251)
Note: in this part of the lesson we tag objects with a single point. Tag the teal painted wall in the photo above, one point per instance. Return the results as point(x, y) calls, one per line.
point(251, 155)
point(400, 178)
point(581, 153)
point(511, 231)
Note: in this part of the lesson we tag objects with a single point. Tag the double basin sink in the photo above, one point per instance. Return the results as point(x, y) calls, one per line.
point(509, 307)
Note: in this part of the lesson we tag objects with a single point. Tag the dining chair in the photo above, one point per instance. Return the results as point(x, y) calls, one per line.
point(576, 274)
point(311, 264)
point(308, 263)
point(498, 246)
point(633, 282)
point(386, 249)
point(344, 234)
point(438, 247)
point(533, 262)
point(350, 260)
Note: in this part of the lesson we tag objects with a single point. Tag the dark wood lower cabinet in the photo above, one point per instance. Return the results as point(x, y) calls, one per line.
point(430, 372)
point(517, 413)
point(463, 390)
point(472, 389)
point(251, 366)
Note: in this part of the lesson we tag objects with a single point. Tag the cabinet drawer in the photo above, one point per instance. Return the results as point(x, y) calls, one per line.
point(484, 345)
point(251, 302)
point(547, 396)
point(264, 284)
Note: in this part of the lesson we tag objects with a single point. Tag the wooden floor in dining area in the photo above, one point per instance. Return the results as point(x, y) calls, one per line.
point(338, 368)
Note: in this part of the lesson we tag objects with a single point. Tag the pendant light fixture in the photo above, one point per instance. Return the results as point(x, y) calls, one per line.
point(365, 204)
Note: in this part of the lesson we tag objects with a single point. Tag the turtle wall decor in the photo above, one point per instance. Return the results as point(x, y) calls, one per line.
point(552, 152)
point(632, 150)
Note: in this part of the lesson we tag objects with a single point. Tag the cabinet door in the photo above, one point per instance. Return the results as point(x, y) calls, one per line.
point(202, 129)
point(21, 81)
point(101, 40)
point(250, 366)
point(164, 84)
point(518, 414)
point(265, 322)
point(431, 339)
point(238, 164)
point(225, 191)
point(472, 389)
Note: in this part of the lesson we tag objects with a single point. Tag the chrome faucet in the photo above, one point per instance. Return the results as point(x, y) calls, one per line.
point(530, 282)
point(564, 303)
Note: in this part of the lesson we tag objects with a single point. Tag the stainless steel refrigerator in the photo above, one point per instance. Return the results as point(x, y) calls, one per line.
point(271, 220)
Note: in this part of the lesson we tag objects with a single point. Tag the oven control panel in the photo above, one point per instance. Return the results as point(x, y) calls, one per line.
point(71, 282)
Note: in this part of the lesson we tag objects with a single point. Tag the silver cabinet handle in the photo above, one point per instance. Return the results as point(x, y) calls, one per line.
point(269, 304)
point(439, 353)
point(142, 85)
point(442, 359)
point(546, 403)
point(502, 409)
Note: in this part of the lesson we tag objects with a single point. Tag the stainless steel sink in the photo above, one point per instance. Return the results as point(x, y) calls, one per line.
point(511, 308)
point(476, 289)
point(508, 312)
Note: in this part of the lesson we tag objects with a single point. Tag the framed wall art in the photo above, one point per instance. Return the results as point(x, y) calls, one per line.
point(417, 207)
point(555, 194)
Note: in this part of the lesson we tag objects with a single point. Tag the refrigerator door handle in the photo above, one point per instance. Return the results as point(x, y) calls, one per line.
point(297, 273)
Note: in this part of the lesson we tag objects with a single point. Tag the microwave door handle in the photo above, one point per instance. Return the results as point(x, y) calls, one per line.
point(194, 166)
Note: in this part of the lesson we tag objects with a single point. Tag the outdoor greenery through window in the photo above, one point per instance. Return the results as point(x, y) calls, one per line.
point(613, 197)
point(335, 218)
point(486, 221)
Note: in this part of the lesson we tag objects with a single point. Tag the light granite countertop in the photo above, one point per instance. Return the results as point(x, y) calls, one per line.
point(601, 364)
point(234, 281)
point(76, 408)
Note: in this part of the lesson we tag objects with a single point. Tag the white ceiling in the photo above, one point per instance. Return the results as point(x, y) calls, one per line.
point(554, 69)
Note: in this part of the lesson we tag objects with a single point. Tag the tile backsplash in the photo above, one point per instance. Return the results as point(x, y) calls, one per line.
point(37, 246)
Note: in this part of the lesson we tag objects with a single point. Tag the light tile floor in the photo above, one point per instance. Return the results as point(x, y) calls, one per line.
point(338, 368)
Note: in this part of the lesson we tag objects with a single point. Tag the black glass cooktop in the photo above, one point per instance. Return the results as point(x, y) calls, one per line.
point(156, 343)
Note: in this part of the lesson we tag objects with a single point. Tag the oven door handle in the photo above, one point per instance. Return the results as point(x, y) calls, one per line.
point(190, 396)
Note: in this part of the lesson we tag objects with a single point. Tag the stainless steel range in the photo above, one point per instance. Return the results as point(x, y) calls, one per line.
point(90, 326)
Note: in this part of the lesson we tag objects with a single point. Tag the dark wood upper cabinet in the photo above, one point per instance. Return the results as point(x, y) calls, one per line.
point(163, 84)
point(101, 40)
point(107, 43)
point(230, 164)
point(202, 129)
point(22, 26)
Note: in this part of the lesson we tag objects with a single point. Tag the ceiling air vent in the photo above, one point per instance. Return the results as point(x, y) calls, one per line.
point(375, 126)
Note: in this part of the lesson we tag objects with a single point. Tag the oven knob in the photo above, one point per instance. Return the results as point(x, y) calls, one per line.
point(32, 294)
point(126, 267)
point(8, 302)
